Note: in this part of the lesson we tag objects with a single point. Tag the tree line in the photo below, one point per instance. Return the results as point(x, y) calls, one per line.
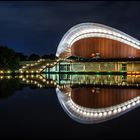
point(9, 59)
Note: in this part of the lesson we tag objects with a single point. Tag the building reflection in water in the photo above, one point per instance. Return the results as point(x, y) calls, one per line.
point(94, 105)
point(90, 99)
point(101, 98)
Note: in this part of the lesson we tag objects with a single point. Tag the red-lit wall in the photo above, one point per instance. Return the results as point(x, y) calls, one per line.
point(104, 98)
point(107, 48)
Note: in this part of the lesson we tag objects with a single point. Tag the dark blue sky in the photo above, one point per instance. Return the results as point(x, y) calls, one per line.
point(37, 27)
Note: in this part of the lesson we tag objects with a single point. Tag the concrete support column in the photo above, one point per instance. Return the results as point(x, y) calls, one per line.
point(56, 67)
point(84, 68)
point(119, 67)
point(133, 67)
point(116, 67)
point(70, 66)
point(100, 67)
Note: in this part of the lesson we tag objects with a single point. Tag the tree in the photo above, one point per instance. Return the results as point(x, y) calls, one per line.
point(45, 56)
point(22, 56)
point(8, 58)
point(34, 57)
point(49, 56)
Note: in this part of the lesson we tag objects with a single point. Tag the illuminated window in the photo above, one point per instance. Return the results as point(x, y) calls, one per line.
point(124, 67)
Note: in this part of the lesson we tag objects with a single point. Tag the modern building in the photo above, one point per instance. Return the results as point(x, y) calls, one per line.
point(92, 39)
point(91, 105)
point(99, 48)
point(92, 47)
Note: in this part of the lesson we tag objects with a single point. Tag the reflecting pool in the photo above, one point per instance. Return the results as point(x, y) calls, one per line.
point(74, 106)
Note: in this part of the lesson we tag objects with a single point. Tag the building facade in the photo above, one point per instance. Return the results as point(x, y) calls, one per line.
point(92, 47)
point(91, 39)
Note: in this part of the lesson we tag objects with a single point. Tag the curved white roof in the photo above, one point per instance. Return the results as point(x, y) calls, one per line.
point(91, 115)
point(85, 30)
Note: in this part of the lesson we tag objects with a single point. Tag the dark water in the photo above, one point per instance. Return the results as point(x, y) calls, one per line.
point(31, 110)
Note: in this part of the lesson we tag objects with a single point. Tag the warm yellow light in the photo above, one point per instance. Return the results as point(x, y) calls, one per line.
point(128, 72)
point(43, 67)
point(133, 72)
point(1, 72)
point(93, 54)
point(21, 71)
point(21, 76)
point(23, 79)
point(93, 90)
point(40, 77)
point(8, 71)
point(8, 77)
point(137, 72)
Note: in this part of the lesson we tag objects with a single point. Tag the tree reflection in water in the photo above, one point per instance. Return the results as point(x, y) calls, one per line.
point(98, 99)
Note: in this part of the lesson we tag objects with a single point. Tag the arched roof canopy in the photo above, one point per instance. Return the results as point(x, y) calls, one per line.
point(86, 30)
point(87, 115)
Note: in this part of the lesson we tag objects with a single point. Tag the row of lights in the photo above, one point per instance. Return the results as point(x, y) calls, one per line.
point(30, 65)
point(37, 63)
point(5, 71)
point(32, 82)
point(106, 83)
point(27, 71)
point(63, 86)
point(40, 60)
point(133, 73)
point(5, 77)
point(28, 76)
point(96, 113)
point(103, 32)
point(35, 82)
point(100, 32)
point(98, 82)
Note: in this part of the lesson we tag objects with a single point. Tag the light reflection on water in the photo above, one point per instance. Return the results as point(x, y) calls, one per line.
point(85, 98)
point(95, 105)
point(39, 105)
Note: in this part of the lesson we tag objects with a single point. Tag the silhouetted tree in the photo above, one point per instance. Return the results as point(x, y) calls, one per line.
point(8, 58)
point(22, 56)
point(34, 57)
point(52, 56)
point(45, 56)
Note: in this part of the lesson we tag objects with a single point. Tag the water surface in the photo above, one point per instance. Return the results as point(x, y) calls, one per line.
point(31, 106)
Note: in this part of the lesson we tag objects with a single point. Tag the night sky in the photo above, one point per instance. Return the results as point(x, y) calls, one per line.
point(37, 27)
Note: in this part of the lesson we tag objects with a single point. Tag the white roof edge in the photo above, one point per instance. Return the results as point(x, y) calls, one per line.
point(77, 28)
point(76, 116)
